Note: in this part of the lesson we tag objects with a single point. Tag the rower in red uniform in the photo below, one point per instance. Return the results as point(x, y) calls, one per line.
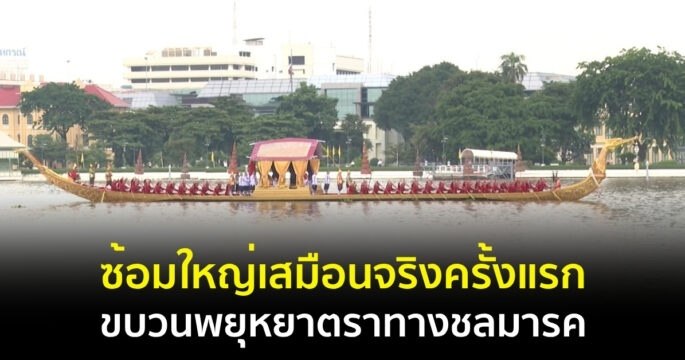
point(389, 188)
point(194, 189)
point(401, 186)
point(441, 188)
point(428, 188)
point(415, 188)
point(205, 188)
point(376, 188)
point(182, 188)
point(74, 175)
point(364, 188)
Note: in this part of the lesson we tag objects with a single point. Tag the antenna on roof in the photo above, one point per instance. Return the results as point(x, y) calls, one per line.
point(368, 66)
point(290, 68)
point(235, 24)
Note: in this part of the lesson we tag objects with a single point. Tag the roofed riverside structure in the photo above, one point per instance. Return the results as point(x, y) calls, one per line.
point(9, 158)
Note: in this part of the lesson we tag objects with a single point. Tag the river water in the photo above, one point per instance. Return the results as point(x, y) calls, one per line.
point(629, 236)
point(635, 212)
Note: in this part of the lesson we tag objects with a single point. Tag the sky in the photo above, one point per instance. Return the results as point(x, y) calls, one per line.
point(89, 40)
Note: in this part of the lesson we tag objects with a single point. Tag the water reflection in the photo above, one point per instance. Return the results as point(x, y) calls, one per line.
point(622, 203)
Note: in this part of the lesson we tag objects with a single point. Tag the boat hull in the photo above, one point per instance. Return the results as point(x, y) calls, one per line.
point(99, 194)
point(571, 192)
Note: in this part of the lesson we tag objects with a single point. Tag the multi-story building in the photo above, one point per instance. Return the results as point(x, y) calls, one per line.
point(12, 122)
point(307, 60)
point(189, 68)
point(24, 128)
point(183, 68)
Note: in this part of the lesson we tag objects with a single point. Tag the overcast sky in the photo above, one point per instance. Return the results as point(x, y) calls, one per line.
point(89, 39)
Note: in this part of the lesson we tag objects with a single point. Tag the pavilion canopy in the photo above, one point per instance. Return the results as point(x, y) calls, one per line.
point(283, 155)
point(287, 149)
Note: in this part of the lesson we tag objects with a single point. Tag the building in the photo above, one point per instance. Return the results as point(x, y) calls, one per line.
point(183, 68)
point(535, 81)
point(24, 129)
point(260, 94)
point(13, 123)
point(9, 157)
point(186, 69)
point(141, 99)
point(357, 95)
point(307, 60)
point(654, 153)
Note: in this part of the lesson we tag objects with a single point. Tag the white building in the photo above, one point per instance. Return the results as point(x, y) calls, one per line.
point(183, 68)
point(190, 68)
point(308, 60)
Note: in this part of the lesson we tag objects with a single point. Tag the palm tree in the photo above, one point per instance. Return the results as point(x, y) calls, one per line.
point(513, 68)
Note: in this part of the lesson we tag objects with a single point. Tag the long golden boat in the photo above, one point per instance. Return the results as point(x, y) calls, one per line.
point(265, 192)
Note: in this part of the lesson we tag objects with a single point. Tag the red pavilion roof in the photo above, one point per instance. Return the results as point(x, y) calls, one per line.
point(287, 149)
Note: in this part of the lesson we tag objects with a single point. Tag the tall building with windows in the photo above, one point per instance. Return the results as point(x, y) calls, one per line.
point(182, 68)
point(185, 69)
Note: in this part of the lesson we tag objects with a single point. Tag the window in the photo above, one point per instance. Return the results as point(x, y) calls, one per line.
point(179, 68)
point(219, 67)
point(5, 119)
point(29, 119)
point(199, 67)
point(18, 119)
point(19, 137)
point(296, 60)
point(29, 141)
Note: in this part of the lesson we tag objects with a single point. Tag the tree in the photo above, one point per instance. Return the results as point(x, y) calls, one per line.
point(410, 100)
point(554, 107)
point(512, 67)
point(635, 93)
point(62, 106)
point(51, 149)
point(318, 112)
point(482, 112)
point(353, 127)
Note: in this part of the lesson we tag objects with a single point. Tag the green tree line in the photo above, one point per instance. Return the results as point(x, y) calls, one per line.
point(637, 92)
